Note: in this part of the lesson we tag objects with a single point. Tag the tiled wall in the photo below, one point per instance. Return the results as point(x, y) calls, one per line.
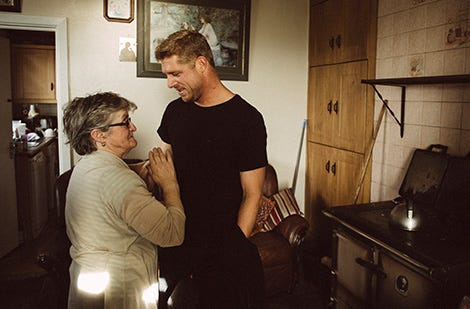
point(420, 38)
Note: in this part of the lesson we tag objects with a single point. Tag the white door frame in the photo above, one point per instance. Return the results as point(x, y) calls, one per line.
point(59, 26)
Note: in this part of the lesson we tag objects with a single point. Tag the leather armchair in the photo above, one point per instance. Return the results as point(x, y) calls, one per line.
point(279, 247)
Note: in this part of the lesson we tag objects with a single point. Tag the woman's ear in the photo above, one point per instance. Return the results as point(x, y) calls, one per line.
point(98, 136)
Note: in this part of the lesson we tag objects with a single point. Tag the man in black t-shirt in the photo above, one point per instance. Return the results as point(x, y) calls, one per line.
point(218, 141)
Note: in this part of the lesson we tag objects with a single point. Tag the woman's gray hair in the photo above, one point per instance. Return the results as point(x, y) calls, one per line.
point(83, 114)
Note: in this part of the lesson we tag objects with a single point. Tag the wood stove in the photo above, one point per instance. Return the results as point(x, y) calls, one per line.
point(374, 264)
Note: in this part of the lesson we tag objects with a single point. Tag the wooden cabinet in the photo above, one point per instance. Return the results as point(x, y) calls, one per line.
point(339, 31)
point(36, 171)
point(333, 174)
point(337, 105)
point(33, 73)
point(332, 178)
point(340, 108)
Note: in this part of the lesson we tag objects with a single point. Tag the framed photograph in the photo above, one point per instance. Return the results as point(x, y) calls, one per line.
point(118, 10)
point(225, 24)
point(10, 5)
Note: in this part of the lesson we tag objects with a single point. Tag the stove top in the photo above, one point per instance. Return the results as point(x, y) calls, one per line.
point(442, 242)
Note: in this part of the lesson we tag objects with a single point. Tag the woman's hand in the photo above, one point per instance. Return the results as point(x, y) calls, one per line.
point(142, 170)
point(161, 169)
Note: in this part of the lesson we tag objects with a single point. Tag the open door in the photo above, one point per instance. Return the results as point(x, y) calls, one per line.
point(8, 213)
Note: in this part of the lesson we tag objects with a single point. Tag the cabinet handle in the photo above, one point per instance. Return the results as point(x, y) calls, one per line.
point(333, 168)
point(338, 41)
point(327, 166)
point(328, 107)
point(331, 43)
point(52, 86)
point(372, 267)
point(335, 107)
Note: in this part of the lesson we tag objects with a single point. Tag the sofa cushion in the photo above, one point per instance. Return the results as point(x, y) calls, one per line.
point(285, 205)
point(265, 207)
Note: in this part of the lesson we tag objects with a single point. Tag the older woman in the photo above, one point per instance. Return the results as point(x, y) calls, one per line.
point(113, 221)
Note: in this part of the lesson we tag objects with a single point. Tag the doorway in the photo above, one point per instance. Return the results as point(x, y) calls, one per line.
point(58, 26)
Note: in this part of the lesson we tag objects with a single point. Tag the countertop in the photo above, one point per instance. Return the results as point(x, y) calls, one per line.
point(33, 148)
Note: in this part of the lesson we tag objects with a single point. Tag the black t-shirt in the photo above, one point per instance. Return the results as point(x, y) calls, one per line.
point(211, 146)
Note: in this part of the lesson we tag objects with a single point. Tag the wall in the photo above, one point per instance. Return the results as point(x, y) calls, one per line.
point(277, 83)
point(421, 38)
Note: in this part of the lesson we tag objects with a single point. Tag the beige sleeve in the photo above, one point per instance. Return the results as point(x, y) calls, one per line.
point(163, 226)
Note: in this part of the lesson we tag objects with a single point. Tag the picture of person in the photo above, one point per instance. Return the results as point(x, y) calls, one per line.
point(126, 53)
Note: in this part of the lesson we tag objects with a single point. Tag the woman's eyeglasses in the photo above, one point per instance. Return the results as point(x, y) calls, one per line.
point(125, 123)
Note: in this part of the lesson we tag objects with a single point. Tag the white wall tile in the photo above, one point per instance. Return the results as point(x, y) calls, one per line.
point(385, 26)
point(434, 64)
point(417, 41)
point(466, 116)
point(416, 65)
point(417, 18)
point(436, 38)
point(429, 136)
point(413, 112)
point(453, 92)
point(454, 62)
point(431, 114)
point(432, 93)
point(451, 138)
point(400, 22)
point(414, 93)
point(400, 44)
point(465, 143)
point(435, 14)
point(451, 115)
point(385, 47)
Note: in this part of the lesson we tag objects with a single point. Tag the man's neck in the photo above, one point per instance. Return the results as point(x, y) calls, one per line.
point(214, 94)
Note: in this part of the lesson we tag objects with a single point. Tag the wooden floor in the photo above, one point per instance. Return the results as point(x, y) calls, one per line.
point(26, 283)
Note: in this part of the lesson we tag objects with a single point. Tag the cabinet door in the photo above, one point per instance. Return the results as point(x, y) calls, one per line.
point(338, 31)
point(352, 42)
point(324, 18)
point(337, 105)
point(33, 74)
point(345, 171)
point(332, 177)
point(322, 94)
point(349, 108)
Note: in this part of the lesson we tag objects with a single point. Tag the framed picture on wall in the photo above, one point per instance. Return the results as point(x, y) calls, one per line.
point(10, 5)
point(118, 10)
point(225, 24)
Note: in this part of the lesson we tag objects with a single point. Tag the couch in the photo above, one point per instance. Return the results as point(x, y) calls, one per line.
point(279, 247)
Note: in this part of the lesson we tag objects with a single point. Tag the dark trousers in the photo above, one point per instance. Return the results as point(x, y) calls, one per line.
point(228, 276)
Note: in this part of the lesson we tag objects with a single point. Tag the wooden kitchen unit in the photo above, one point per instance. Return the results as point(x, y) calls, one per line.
point(340, 112)
point(36, 171)
point(33, 73)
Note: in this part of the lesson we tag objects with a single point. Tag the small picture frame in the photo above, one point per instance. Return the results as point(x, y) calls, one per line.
point(10, 5)
point(121, 11)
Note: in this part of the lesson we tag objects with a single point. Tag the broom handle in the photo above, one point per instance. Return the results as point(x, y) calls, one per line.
point(296, 171)
point(369, 152)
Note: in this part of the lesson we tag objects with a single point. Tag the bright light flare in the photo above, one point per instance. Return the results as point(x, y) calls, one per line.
point(93, 283)
point(150, 295)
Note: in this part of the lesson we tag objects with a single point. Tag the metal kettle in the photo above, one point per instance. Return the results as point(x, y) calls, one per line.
point(406, 215)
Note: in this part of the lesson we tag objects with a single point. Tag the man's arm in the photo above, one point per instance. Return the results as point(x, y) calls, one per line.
point(252, 185)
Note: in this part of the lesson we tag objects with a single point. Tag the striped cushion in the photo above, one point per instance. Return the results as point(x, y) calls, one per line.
point(265, 207)
point(286, 205)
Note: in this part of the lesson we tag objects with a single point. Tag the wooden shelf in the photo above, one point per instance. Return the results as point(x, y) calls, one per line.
point(406, 81)
point(445, 79)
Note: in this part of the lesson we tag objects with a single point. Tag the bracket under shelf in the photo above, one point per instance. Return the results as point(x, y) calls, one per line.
point(403, 82)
